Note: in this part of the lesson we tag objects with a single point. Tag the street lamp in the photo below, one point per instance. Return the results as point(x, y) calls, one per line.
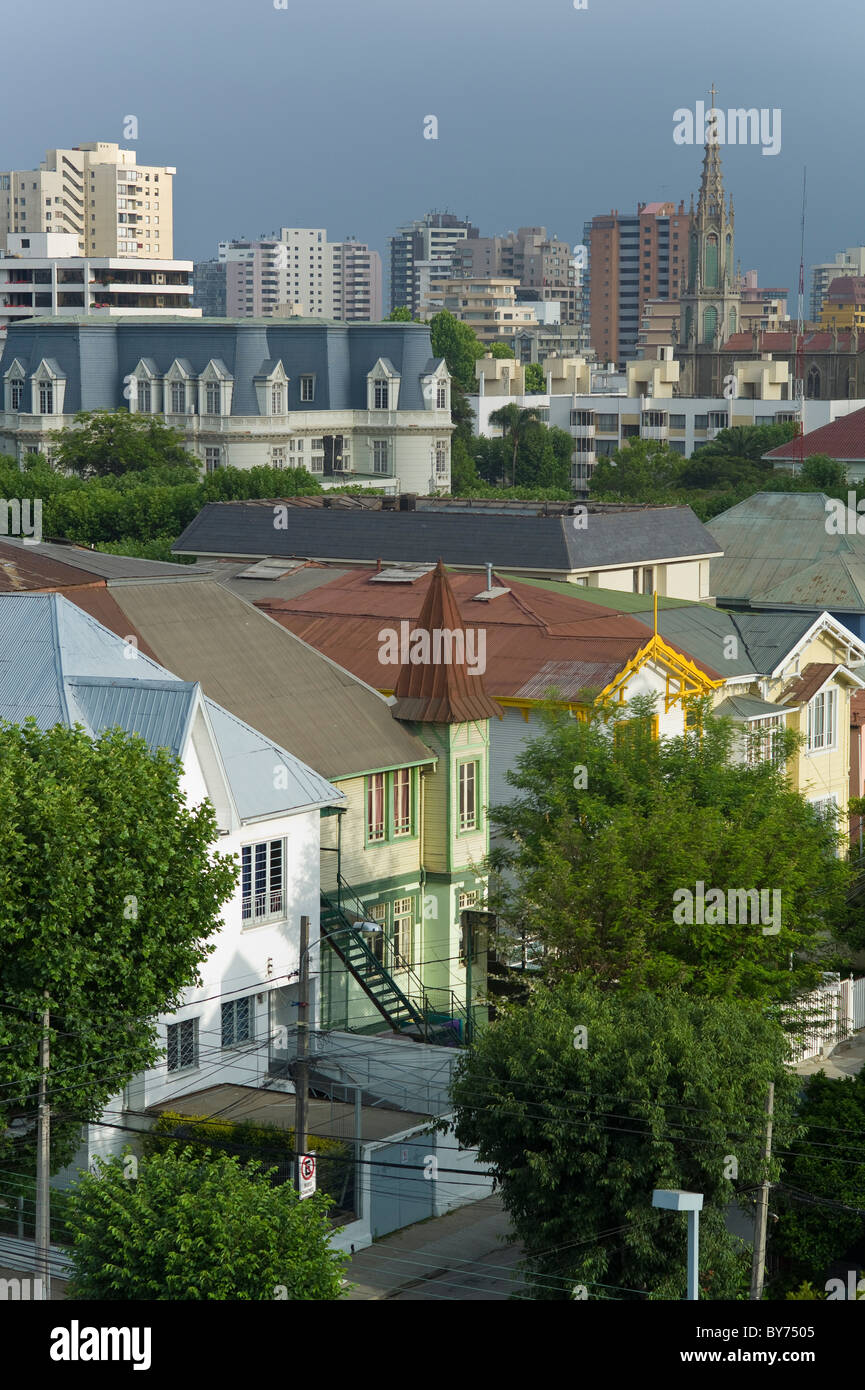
point(674, 1199)
point(301, 1079)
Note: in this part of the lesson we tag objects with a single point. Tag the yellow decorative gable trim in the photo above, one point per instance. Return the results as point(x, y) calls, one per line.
point(683, 679)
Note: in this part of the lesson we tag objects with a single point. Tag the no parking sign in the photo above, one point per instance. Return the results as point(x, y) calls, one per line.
point(307, 1175)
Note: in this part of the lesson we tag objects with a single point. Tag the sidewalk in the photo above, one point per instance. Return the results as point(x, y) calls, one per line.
point(846, 1059)
point(456, 1257)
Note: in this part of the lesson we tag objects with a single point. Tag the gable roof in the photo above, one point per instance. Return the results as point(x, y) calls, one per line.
point(54, 559)
point(526, 629)
point(843, 439)
point(276, 683)
point(515, 540)
point(778, 550)
point(60, 666)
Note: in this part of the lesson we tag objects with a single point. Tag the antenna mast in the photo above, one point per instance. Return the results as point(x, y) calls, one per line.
point(799, 384)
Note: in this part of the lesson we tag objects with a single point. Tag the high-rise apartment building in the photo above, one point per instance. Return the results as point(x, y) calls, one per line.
point(208, 292)
point(98, 193)
point(42, 274)
point(301, 272)
point(631, 259)
point(849, 262)
point(487, 305)
point(529, 256)
point(434, 238)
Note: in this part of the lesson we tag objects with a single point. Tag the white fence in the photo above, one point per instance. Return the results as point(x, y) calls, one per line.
point(826, 1016)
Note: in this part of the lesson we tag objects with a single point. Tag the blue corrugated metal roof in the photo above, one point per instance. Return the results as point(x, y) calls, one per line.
point(60, 666)
point(160, 711)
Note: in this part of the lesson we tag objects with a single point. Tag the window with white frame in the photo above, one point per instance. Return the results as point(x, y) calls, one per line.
point(277, 398)
point(46, 398)
point(379, 456)
point(468, 796)
point(376, 912)
point(441, 395)
point(381, 393)
point(762, 739)
point(212, 459)
point(16, 393)
point(467, 900)
point(402, 820)
point(307, 388)
point(316, 463)
point(213, 399)
point(277, 457)
point(826, 807)
point(823, 720)
point(178, 398)
point(144, 396)
point(441, 457)
point(375, 807)
point(403, 922)
point(262, 871)
point(182, 1044)
point(237, 1020)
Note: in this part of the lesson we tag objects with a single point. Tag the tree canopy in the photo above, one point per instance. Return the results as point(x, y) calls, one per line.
point(611, 823)
point(110, 895)
point(117, 441)
point(199, 1225)
point(458, 344)
point(584, 1101)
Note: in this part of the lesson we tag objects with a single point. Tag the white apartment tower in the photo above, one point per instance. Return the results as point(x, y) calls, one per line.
point(301, 272)
point(98, 193)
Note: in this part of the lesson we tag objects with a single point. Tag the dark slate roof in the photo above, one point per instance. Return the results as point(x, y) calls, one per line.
point(95, 562)
point(520, 541)
point(94, 355)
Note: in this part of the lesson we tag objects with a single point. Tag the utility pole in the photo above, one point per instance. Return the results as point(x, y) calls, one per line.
point(301, 1075)
point(758, 1268)
point(43, 1161)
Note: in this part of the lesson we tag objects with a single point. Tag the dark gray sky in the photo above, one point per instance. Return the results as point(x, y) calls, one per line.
point(313, 115)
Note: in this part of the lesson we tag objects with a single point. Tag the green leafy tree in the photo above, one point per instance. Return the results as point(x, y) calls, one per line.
point(110, 894)
point(464, 472)
point(116, 441)
point(534, 379)
point(822, 473)
point(458, 345)
point(516, 423)
point(643, 470)
point(199, 1226)
point(583, 1102)
point(826, 1162)
point(596, 863)
point(401, 314)
point(500, 350)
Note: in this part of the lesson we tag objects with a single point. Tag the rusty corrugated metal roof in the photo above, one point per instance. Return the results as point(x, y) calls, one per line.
point(442, 692)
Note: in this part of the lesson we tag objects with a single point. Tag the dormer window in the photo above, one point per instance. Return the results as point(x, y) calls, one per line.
point(16, 394)
point(178, 398)
point(307, 388)
point(441, 395)
point(213, 393)
point(277, 399)
point(381, 394)
point(46, 398)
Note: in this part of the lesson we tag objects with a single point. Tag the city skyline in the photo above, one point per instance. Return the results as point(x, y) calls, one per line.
point(276, 122)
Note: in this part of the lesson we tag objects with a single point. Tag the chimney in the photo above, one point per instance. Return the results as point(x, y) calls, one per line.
point(489, 575)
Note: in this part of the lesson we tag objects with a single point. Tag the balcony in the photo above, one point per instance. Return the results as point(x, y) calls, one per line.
point(654, 432)
point(583, 431)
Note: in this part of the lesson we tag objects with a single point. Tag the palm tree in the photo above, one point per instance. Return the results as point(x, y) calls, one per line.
point(514, 420)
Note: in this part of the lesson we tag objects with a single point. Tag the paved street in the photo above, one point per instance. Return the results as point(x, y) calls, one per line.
point(466, 1255)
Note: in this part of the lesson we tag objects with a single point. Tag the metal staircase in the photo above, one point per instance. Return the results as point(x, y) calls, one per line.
point(407, 1008)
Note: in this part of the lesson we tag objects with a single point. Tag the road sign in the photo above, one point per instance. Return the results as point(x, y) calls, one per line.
point(307, 1175)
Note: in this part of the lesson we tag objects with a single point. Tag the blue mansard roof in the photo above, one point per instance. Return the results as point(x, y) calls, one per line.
point(94, 355)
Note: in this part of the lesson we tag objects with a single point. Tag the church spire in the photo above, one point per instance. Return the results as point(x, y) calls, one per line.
point(711, 200)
